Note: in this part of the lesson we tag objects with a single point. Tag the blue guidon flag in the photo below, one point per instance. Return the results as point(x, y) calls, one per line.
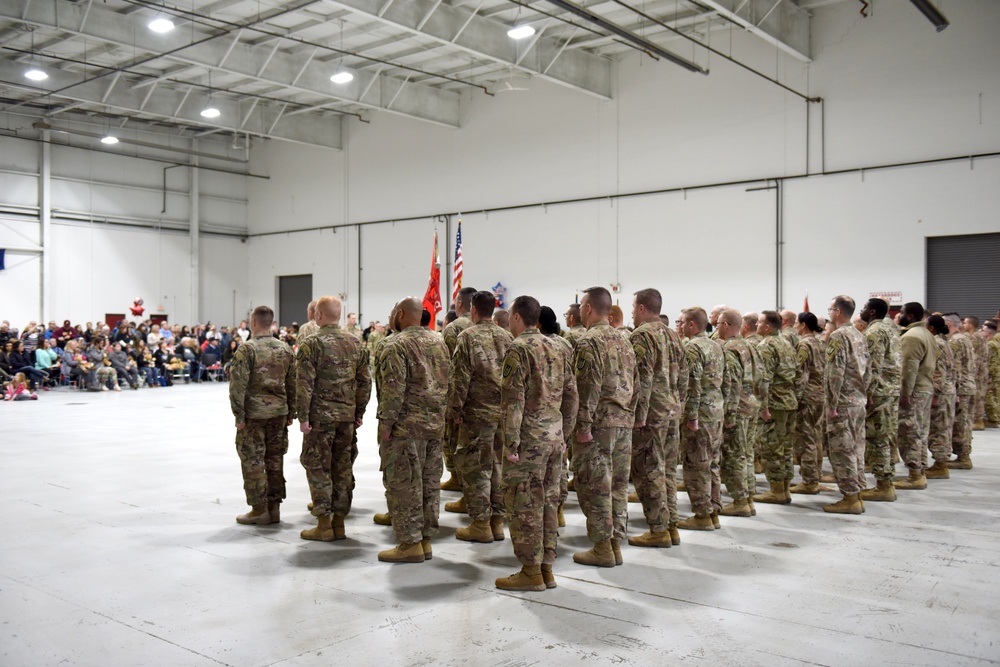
point(2, 253)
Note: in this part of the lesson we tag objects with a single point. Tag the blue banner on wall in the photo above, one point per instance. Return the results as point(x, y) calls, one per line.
point(2, 253)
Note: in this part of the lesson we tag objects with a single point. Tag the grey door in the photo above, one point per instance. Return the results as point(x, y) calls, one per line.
point(294, 295)
point(963, 274)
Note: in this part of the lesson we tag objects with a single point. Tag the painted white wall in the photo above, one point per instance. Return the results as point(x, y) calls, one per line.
point(894, 91)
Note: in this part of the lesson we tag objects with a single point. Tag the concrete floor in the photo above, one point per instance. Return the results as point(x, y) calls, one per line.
point(120, 548)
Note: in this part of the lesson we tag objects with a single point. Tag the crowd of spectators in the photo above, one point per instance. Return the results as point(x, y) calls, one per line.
point(107, 357)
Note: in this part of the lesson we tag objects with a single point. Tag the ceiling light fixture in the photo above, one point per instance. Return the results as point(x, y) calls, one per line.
point(342, 77)
point(109, 139)
point(210, 110)
point(521, 32)
point(161, 24)
point(33, 72)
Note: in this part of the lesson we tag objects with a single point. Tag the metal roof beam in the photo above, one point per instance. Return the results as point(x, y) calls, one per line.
point(779, 22)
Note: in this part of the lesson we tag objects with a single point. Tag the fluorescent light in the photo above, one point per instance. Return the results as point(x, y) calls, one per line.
point(161, 24)
point(36, 74)
point(520, 32)
point(110, 139)
point(210, 112)
point(342, 77)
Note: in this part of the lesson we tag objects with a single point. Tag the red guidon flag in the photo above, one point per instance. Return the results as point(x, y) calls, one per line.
point(432, 297)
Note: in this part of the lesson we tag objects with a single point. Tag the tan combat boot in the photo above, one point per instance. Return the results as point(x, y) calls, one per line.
point(571, 485)
point(788, 485)
point(337, 522)
point(257, 516)
point(776, 496)
point(714, 516)
point(697, 522)
point(274, 509)
point(457, 506)
point(850, 504)
point(309, 507)
point(681, 487)
point(937, 471)
point(616, 550)
point(633, 497)
point(323, 532)
point(496, 527)
point(425, 544)
point(528, 579)
point(753, 510)
point(478, 531)
point(961, 463)
point(736, 508)
point(884, 491)
point(651, 539)
point(403, 553)
point(383, 519)
point(600, 555)
point(805, 489)
point(548, 577)
point(915, 482)
point(451, 484)
point(979, 426)
point(675, 535)
point(562, 517)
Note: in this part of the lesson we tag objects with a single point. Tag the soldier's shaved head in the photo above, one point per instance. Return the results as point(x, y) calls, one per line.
point(732, 317)
point(771, 318)
point(616, 317)
point(696, 318)
point(330, 307)
point(650, 299)
point(714, 316)
point(573, 315)
point(484, 302)
point(262, 316)
point(788, 318)
point(528, 309)
point(501, 318)
point(599, 299)
point(464, 300)
point(409, 312)
point(311, 310)
point(844, 304)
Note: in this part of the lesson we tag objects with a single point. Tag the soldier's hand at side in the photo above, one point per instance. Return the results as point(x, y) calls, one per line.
point(693, 425)
point(357, 423)
point(289, 421)
point(934, 402)
point(513, 458)
point(459, 420)
point(766, 415)
point(584, 437)
point(305, 427)
point(640, 424)
point(240, 426)
point(384, 434)
point(832, 414)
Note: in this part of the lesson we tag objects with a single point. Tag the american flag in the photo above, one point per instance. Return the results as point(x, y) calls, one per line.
point(456, 282)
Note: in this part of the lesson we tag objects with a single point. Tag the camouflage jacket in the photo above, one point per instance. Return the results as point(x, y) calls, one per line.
point(705, 364)
point(919, 359)
point(812, 363)
point(732, 383)
point(474, 390)
point(538, 399)
point(573, 334)
point(749, 362)
point(886, 355)
point(965, 363)
point(310, 328)
point(450, 332)
point(754, 339)
point(376, 362)
point(678, 358)
point(656, 385)
point(848, 368)
point(944, 370)
point(262, 379)
point(605, 379)
point(778, 373)
point(354, 330)
point(980, 347)
point(791, 335)
point(414, 373)
point(332, 377)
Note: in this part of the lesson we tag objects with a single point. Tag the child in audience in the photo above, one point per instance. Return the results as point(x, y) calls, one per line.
point(17, 389)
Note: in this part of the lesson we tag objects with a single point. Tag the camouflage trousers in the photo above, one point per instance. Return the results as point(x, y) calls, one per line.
point(881, 428)
point(531, 491)
point(751, 450)
point(914, 428)
point(326, 457)
point(733, 466)
point(700, 455)
point(942, 424)
point(564, 477)
point(776, 446)
point(601, 469)
point(261, 446)
point(810, 431)
point(477, 465)
point(106, 375)
point(450, 444)
point(961, 436)
point(846, 440)
point(992, 401)
point(978, 406)
point(411, 472)
point(650, 472)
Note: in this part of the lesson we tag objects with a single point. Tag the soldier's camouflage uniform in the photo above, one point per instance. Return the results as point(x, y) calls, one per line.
point(308, 329)
point(701, 448)
point(919, 360)
point(792, 336)
point(963, 349)
point(882, 410)
point(474, 398)
point(333, 388)
point(414, 369)
point(566, 348)
point(573, 334)
point(992, 401)
point(737, 393)
point(777, 395)
point(754, 427)
point(354, 330)
point(538, 405)
point(450, 335)
point(672, 439)
point(656, 405)
point(262, 396)
point(100, 375)
point(605, 373)
point(746, 416)
point(980, 345)
point(810, 423)
point(943, 403)
point(847, 376)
